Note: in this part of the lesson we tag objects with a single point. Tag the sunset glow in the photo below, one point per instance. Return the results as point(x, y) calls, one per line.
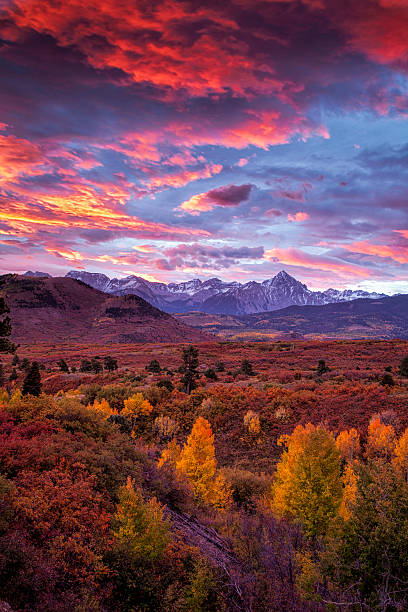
point(180, 139)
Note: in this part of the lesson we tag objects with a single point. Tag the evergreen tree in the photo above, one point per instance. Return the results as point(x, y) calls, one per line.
point(96, 366)
point(63, 366)
point(220, 366)
point(25, 365)
point(154, 367)
point(13, 375)
point(322, 367)
point(2, 379)
point(189, 369)
point(5, 329)
point(110, 363)
point(403, 369)
point(246, 368)
point(32, 381)
point(85, 366)
point(211, 374)
point(16, 360)
point(387, 380)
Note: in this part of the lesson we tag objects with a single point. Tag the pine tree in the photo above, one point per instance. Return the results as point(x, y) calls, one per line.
point(247, 368)
point(154, 367)
point(2, 379)
point(96, 366)
point(86, 366)
point(63, 366)
point(32, 381)
point(110, 363)
point(189, 368)
point(16, 360)
point(322, 367)
point(403, 369)
point(25, 365)
point(5, 329)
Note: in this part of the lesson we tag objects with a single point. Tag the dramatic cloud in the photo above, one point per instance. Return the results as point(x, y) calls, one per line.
point(229, 195)
point(166, 136)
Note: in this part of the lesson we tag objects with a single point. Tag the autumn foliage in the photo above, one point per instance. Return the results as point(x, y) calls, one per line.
point(299, 482)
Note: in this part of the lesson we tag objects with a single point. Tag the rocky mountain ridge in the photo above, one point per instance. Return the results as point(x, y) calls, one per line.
point(215, 296)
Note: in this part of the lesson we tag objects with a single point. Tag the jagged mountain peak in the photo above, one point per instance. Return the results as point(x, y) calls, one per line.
point(216, 296)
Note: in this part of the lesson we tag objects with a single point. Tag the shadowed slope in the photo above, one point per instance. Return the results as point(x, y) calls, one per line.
point(64, 309)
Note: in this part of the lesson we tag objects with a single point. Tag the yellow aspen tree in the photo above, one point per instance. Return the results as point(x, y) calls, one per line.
point(197, 460)
point(140, 526)
point(252, 423)
point(349, 492)
point(221, 494)
point(170, 455)
point(198, 463)
point(15, 398)
point(4, 398)
point(348, 443)
point(135, 407)
point(400, 458)
point(307, 485)
point(102, 407)
point(380, 440)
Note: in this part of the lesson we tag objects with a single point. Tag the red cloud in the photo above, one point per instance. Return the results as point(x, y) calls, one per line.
point(162, 53)
point(19, 157)
point(379, 29)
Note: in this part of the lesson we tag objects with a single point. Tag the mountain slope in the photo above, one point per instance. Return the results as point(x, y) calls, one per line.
point(362, 318)
point(67, 310)
point(215, 296)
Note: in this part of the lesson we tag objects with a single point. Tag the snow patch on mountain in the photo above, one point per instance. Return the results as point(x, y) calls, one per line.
point(218, 297)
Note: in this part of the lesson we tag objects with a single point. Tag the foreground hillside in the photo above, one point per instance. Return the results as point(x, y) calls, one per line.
point(67, 310)
point(277, 485)
point(385, 317)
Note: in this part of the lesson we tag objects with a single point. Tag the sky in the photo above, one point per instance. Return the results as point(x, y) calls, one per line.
point(182, 139)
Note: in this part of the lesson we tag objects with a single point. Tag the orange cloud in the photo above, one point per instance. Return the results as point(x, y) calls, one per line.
point(397, 253)
point(19, 157)
point(296, 257)
point(298, 217)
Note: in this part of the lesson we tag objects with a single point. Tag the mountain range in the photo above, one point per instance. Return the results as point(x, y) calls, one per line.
point(384, 318)
point(65, 310)
point(215, 296)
